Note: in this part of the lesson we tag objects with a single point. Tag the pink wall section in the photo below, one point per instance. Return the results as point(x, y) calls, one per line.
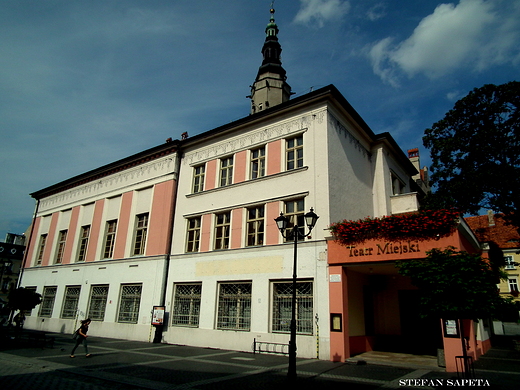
point(272, 234)
point(35, 239)
point(160, 219)
point(50, 240)
point(274, 157)
point(236, 228)
point(338, 303)
point(95, 230)
point(123, 225)
point(211, 175)
point(205, 233)
point(240, 167)
point(71, 236)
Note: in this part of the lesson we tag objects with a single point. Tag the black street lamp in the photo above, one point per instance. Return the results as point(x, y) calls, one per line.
point(282, 222)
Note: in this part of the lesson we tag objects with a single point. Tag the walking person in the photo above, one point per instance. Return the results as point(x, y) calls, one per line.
point(81, 337)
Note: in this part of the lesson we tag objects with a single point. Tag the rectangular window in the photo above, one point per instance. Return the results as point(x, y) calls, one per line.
point(129, 303)
point(510, 264)
point(98, 302)
point(198, 178)
point(294, 152)
point(70, 302)
point(186, 307)
point(234, 306)
point(255, 226)
point(513, 285)
point(48, 296)
point(83, 242)
point(60, 247)
point(41, 248)
point(226, 171)
point(294, 212)
point(258, 163)
point(222, 228)
point(29, 312)
point(282, 305)
point(193, 235)
point(141, 230)
point(110, 239)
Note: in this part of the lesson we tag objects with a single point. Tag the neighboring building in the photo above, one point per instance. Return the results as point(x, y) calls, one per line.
point(11, 256)
point(189, 225)
point(493, 228)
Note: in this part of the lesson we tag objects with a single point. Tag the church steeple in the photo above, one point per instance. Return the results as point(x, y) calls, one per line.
point(270, 87)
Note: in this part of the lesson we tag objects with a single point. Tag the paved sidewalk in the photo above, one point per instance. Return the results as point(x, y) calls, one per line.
point(131, 365)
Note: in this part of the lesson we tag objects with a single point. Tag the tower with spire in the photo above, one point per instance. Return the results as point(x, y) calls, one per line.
point(270, 87)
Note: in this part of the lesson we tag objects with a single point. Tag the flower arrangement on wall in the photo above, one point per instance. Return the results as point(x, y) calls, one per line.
point(419, 226)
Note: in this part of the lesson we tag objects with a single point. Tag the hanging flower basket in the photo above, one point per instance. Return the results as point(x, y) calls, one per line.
point(420, 226)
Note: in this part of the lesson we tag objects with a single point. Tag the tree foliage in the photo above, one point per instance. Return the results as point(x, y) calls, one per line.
point(475, 152)
point(23, 299)
point(455, 284)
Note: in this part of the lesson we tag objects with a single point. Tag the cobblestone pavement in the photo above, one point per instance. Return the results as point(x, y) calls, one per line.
point(129, 365)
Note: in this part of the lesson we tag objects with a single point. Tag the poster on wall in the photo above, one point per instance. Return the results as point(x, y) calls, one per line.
point(451, 328)
point(158, 315)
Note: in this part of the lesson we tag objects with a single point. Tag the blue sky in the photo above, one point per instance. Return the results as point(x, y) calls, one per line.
point(85, 83)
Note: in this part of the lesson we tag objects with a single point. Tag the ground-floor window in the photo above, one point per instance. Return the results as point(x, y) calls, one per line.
point(234, 306)
point(48, 297)
point(129, 303)
point(70, 302)
point(98, 302)
point(186, 306)
point(29, 312)
point(282, 305)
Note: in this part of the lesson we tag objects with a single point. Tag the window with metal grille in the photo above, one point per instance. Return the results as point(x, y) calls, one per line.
point(198, 178)
point(83, 242)
point(98, 302)
point(29, 312)
point(110, 239)
point(294, 152)
point(258, 163)
point(48, 296)
point(60, 247)
point(129, 303)
point(282, 305)
point(41, 248)
point(70, 302)
point(255, 226)
point(186, 307)
point(294, 212)
point(222, 227)
point(234, 306)
point(226, 171)
point(193, 235)
point(141, 231)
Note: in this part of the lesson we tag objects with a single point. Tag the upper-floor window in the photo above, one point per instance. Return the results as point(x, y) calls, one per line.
point(83, 242)
point(198, 178)
point(397, 184)
point(193, 235)
point(258, 163)
point(110, 239)
point(255, 226)
point(141, 231)
point(41, 248)
point(222, 228)
point(513, 285)
point(226, 171)
point(60, 247)
point(294, 211)
point(294, 152)
point(510, 264)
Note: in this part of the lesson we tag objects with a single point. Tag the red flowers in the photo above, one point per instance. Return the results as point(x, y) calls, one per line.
point(420, 226)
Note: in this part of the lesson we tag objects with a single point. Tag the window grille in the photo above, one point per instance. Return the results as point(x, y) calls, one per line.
point(198, 178)
point(70, 303)
point(110, 239)
point(282, 304)
point(193, 235)
point(226, 171)
point(255, 226)
point(60, 248)
point(222, 227)
point(41, 248)
point(141, 230)
point(186, 309)
point(234, 306)
point(98, 303)
point(49, 294)
point(294, 211)
point(258, 163)
point(83, 242)
point(294, 153)
point(129, 305)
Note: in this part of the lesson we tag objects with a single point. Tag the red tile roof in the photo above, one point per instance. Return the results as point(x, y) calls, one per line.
point(505, 236)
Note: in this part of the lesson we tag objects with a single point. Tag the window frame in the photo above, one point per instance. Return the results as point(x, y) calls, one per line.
point(60, 246)
point(295, 149)
point(513, 285)
point(133, 303)
point(110, 239)
point(47, 304)
point(291, 214)
point(70, 302)
point(190, 300)
point(255, 227)
point(509, 262)
point(83, 243)
point(282, 307)
point(193, 234)
point(41, 248)
point(226, 171)
point(257, 163)
point(140, 234)
point(96, 299)
point(222, 231)
point(199, 175)
point(234, 310)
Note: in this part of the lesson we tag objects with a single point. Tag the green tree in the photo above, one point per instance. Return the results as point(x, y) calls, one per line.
point(23, 299)
point(475, 153)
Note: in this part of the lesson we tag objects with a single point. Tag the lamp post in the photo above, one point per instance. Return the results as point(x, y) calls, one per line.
point(282, 222)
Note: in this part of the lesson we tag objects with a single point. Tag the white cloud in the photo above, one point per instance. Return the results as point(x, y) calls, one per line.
point(376, 12)
point(475, 35)
point(321, 11)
